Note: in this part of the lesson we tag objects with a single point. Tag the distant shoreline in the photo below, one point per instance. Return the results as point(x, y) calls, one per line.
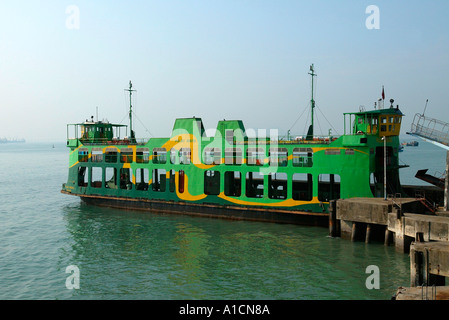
point(4, 140)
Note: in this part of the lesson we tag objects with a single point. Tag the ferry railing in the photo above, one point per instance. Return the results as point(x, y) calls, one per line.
point(116, 141)
point(302, 140)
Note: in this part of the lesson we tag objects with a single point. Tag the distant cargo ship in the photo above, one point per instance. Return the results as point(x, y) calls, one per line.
point(232, 175)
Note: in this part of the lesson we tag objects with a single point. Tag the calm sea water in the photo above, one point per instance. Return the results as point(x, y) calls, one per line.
point(135, 255)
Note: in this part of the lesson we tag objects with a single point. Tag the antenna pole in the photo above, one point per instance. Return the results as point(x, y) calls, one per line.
point(130, 111)
point(425, 107)
point(312, 101)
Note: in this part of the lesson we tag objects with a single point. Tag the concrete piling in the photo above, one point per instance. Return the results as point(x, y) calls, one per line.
point(368, 233)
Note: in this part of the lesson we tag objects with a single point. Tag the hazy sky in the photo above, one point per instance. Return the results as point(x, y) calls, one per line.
point(216, 59)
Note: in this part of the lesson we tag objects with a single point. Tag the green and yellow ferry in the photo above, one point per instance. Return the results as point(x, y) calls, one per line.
point(233, 174)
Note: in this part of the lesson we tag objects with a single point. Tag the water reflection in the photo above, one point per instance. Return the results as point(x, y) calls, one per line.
point(135, 255)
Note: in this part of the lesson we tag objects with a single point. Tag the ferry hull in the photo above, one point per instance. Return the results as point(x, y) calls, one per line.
point(209, 210)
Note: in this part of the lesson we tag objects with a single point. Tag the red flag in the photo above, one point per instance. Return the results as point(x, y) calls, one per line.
point(383, 93)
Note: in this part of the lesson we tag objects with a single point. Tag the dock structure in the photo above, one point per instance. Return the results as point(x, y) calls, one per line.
point(371, 218)
point(429, 263)
point(412, 226)
point(429, 267)
point(422, 293)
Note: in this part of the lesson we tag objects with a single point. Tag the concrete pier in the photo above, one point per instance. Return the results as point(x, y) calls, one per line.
point(429, 267)
point(411, 227)
point(422, 293)
point(429, 263)
point(368, 219)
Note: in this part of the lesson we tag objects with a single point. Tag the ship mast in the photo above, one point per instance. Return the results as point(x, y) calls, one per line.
point(131, 111)
point(312, 101)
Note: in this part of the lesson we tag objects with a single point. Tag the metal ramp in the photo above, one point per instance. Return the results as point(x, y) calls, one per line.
point(432, 130)
point(437, 132)
point(423, 175)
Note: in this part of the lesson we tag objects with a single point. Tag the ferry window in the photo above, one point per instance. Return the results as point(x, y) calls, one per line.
point(278, 157)
point(328, 187)
point(255, 156)
point(159, 180)
point(383, 128)
point(302, 157)
point(391, 119)
point(111, 178)
point(383, 119)
point(208, 155)
point(126, 155)
point(142, 155)
point(111, 155)
point(97, 155)
point(181, 181)
point(302, 186)
point(83, 155)
point(126, 178)
point(277, 185)
point(212, 182)
point(332, 152)
point(160, 155)
point(142, 176)
point(217, 156)
point(229, 136)
point(83, 176)
point(173, 156)
point(254, 185)
point(212, 156)
point(233, 183)
point(184, 156)
point(233, 156)
point(172, 181)
point(97, 177)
